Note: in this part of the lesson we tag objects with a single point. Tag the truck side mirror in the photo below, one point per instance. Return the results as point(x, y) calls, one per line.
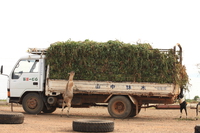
point(1, 69)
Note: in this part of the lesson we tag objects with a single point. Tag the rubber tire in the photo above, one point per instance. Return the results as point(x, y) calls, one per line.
point(120, 100)
point(39, 107)
point(133, 110)
point(48, 111)
point(11, 118)
point(197, 129)
point(93, 125)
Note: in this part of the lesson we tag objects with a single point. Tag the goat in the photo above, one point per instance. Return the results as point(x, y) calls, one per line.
point(197, 110)
point(183, 104)
point(68, 94)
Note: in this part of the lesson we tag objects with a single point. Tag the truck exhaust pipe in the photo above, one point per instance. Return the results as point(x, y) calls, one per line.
point(167, 106)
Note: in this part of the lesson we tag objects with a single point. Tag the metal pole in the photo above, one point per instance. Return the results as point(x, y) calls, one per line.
point(11, 107)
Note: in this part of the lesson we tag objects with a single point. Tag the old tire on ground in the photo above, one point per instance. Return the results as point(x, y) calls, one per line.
point(197, 129)
point(51, 110)
point(32, 103)
point(11, 118)
point(93, 125)
point(119, 107)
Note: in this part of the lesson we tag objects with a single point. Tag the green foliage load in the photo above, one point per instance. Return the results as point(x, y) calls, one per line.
point(112, 61)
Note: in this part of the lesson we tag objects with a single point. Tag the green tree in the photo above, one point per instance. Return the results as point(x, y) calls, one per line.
point(196, 97)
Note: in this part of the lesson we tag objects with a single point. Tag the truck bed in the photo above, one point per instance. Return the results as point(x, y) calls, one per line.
point(56, 87)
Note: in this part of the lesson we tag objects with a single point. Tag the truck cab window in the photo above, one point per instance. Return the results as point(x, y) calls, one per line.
point(25, 66)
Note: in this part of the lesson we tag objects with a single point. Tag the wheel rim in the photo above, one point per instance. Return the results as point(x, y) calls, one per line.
point(118, 107)
point(32, 103)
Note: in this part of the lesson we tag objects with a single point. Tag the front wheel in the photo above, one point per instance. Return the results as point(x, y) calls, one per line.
point(32, 103)
point(119, 107)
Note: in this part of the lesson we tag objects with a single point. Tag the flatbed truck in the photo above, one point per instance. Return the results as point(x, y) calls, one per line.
point(29, 84)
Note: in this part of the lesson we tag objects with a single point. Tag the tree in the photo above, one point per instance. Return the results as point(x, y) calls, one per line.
point(196, 97)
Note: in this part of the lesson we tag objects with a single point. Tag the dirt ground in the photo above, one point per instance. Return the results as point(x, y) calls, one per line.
point(147, 121)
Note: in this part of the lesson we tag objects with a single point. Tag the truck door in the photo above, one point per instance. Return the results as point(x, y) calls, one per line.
point(25, 77)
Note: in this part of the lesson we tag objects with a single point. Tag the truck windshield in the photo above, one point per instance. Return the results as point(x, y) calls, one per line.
point(25, 66)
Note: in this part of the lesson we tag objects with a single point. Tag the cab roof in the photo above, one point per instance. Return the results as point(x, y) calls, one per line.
point(33, 56)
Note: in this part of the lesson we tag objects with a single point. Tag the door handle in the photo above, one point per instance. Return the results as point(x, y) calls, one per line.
point(35, 83)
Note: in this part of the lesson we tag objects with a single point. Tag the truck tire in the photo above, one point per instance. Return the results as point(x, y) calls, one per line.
point(51, 110)
point(32, 103)
point(119, 107)
point(11, 118)
point(95, 125)
point(133, 110)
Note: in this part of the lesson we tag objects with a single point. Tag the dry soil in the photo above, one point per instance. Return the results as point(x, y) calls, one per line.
point(147, 121)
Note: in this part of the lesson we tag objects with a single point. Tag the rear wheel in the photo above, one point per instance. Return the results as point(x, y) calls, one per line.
point(119, 107)
point(50, 110)
point(133, 110)
point(32, 103)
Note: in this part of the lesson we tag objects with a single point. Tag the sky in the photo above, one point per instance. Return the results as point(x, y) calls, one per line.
point(38, 23)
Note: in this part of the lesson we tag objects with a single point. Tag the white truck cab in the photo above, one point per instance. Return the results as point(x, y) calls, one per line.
point(27, 75)
point(26, 82)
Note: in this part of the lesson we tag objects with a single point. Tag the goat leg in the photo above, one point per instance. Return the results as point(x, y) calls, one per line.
point(197, 111)
point(185, 111)
point(68, 105)
point(181, 111)
point(63, 105)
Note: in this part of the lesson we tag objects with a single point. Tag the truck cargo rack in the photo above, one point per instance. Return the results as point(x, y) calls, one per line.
point(39, 51)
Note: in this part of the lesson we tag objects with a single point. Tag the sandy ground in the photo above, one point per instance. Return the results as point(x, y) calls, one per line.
point(148, 121)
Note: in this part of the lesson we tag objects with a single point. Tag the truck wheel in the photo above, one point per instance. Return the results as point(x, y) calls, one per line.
point(11, 118)
point(119, 107)
point(133, 110)
point(51, 110)
point(89, 125)
point(32, 103)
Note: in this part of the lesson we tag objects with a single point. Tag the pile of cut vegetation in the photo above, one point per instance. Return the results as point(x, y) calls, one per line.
point(114, 61)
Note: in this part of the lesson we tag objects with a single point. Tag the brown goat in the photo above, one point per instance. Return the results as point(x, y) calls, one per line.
point(68, 94)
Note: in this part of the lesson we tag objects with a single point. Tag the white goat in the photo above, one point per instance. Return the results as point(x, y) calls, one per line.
point(68, 94)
